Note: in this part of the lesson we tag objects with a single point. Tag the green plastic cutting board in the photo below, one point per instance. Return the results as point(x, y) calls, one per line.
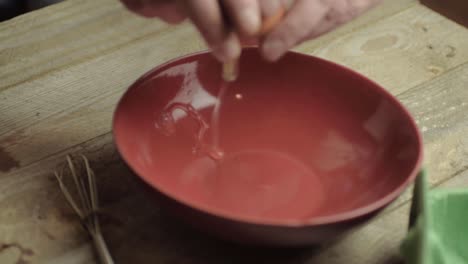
point(438, 231)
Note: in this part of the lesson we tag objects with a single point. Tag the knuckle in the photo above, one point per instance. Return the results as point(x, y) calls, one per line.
point(341, 11)
point(291, 32)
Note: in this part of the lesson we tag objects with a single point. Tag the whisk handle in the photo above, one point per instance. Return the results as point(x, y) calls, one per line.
point(102, 250)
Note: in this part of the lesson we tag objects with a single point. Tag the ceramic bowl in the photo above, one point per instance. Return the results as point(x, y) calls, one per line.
point(311, 148)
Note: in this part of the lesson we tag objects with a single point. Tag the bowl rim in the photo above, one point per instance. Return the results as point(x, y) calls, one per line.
point(294, 223)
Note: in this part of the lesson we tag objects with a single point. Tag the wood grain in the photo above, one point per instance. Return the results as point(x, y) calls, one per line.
point(401, 51)
point(37, 215)
point(63, 68)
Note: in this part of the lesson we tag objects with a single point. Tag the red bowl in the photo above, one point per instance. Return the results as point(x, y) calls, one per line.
point(311, 148)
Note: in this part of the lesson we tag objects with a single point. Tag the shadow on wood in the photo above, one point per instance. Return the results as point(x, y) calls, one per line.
point(138, 231)
point(394, 260)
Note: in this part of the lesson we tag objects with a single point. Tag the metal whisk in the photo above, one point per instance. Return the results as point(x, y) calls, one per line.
point(87, 206)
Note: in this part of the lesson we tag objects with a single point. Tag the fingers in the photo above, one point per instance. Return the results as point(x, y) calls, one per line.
point(229, 49)
point(170, 12)
point(273, 12)
point(308, 19)
point(206, 15)
point(305, 19)
point(302, 20)
point(166, 10)
point(245, 14)
point(270, 8)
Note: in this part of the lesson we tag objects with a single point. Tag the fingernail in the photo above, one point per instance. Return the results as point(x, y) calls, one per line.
point(273, 49)
point(218, 53)
point(230, 49)
point(250, 20)
point(271, 7)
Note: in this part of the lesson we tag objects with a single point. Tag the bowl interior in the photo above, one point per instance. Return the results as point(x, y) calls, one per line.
point(302, 138)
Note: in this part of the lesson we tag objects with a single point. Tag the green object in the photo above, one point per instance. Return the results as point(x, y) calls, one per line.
point(438, 231)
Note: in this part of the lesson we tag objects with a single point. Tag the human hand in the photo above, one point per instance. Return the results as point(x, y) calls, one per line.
point(209, 16)
point(305, 19)
point(308, 19)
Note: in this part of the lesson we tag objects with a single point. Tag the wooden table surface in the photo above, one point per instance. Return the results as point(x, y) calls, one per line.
point(63, 68)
